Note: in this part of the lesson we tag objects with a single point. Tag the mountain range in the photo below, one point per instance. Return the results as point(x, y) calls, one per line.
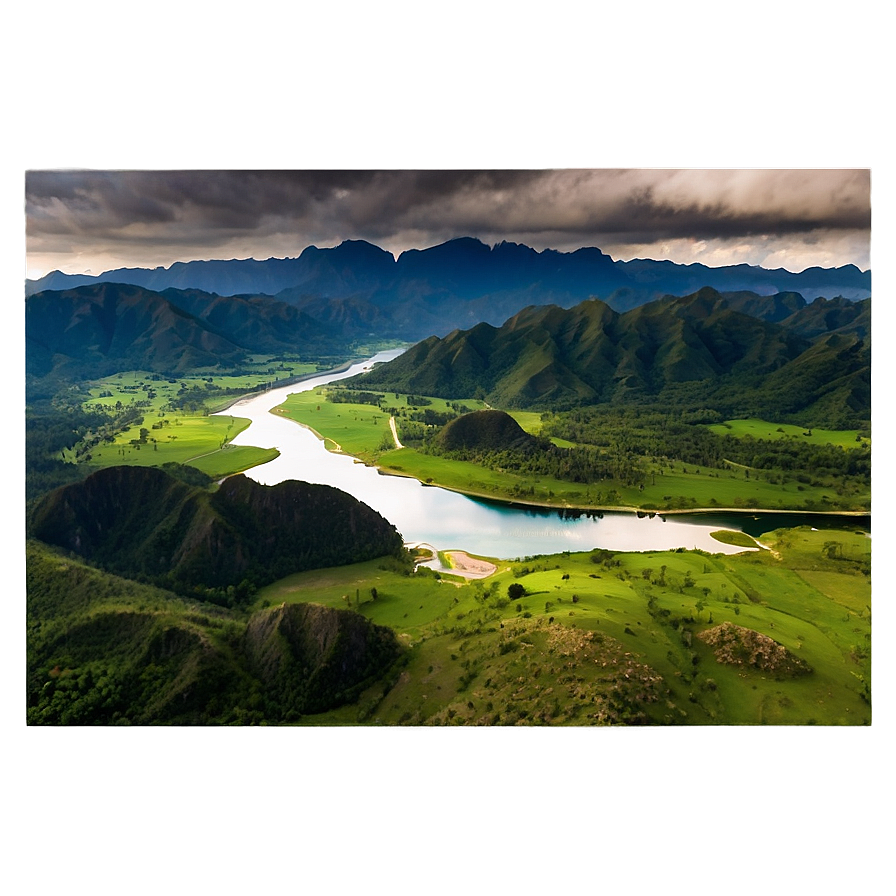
point(773, 355)
point(542, 356)
point(362, 289)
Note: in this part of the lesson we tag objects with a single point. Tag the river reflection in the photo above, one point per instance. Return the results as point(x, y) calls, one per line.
point(445, 519)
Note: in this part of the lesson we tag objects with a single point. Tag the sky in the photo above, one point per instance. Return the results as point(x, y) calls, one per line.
point(89, 221)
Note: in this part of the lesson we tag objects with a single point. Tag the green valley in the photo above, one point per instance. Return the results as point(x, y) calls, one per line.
point(778, 635)
point(164, 587)
point(142, 418)
point(638, 458)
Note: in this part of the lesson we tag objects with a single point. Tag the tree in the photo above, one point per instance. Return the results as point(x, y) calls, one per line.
point(515, 590)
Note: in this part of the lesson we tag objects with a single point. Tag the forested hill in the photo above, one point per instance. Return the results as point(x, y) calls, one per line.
point(141, 522)
point(95, 330)
point(104, 650)
point(487, 430)
point(695, 351)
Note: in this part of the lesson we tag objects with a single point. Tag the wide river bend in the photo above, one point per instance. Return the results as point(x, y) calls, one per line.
point(447, 520)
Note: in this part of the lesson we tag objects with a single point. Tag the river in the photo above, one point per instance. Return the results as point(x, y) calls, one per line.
point(447, 520)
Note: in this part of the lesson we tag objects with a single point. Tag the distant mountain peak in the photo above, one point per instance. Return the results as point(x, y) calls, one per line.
point(461, 282)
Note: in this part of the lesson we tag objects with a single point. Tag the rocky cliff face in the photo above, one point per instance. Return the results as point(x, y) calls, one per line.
point(310, 658)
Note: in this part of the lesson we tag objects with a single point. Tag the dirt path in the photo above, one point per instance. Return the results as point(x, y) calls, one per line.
point(394, 432)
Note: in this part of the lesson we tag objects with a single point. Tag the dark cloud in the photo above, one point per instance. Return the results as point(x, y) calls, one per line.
point(171, 215)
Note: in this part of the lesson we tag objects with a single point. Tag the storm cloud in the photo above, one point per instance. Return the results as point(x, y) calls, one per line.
point(95, 220)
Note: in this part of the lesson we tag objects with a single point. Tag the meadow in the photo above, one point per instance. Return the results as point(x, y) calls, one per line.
point(167, 419)
point(362, 430)
point(599, 637)
point(763, 429)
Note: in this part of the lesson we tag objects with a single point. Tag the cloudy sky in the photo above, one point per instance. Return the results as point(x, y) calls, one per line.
point(91, 221)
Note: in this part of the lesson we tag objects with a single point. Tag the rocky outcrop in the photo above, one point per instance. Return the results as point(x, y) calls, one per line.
point(311, 658)
point(739, 646)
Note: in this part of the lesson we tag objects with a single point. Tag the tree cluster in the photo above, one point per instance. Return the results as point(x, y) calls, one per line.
point(664, 436)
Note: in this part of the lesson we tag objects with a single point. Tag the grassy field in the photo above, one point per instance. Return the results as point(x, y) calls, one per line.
point(184, 435)
point(762, 429)
point(359, 429)
point(681, 489)
point(133, 385)
point(602, 638)
point(740, 539)
point(202, 442)
point(232, 459)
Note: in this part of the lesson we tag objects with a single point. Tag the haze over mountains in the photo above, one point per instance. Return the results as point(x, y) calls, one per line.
point(360, 289)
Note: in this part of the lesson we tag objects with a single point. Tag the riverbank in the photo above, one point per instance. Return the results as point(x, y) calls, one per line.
point(594, 509)
point(457, 563)
point(289, 381)
point(358, 429)
point(455, 515)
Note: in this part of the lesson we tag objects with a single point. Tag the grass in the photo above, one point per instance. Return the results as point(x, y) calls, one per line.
point(528, 420)
point(408, 604)
point(181, 440)
point(358, 430)
point(561, 653)
point(132, 385)
point(596, 637)
point(762, 429)
point(531, 422)
point(185, 437)
point(233, 459)
point(729, 536)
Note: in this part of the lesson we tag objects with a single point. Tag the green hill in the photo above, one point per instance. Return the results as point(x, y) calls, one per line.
point(697, 351)
point(484, 431)
point(92, 331)
point(142, 522)
point(310, 658)
point(104, 650)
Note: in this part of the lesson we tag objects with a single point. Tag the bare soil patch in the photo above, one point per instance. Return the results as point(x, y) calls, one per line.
point(464, 565)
